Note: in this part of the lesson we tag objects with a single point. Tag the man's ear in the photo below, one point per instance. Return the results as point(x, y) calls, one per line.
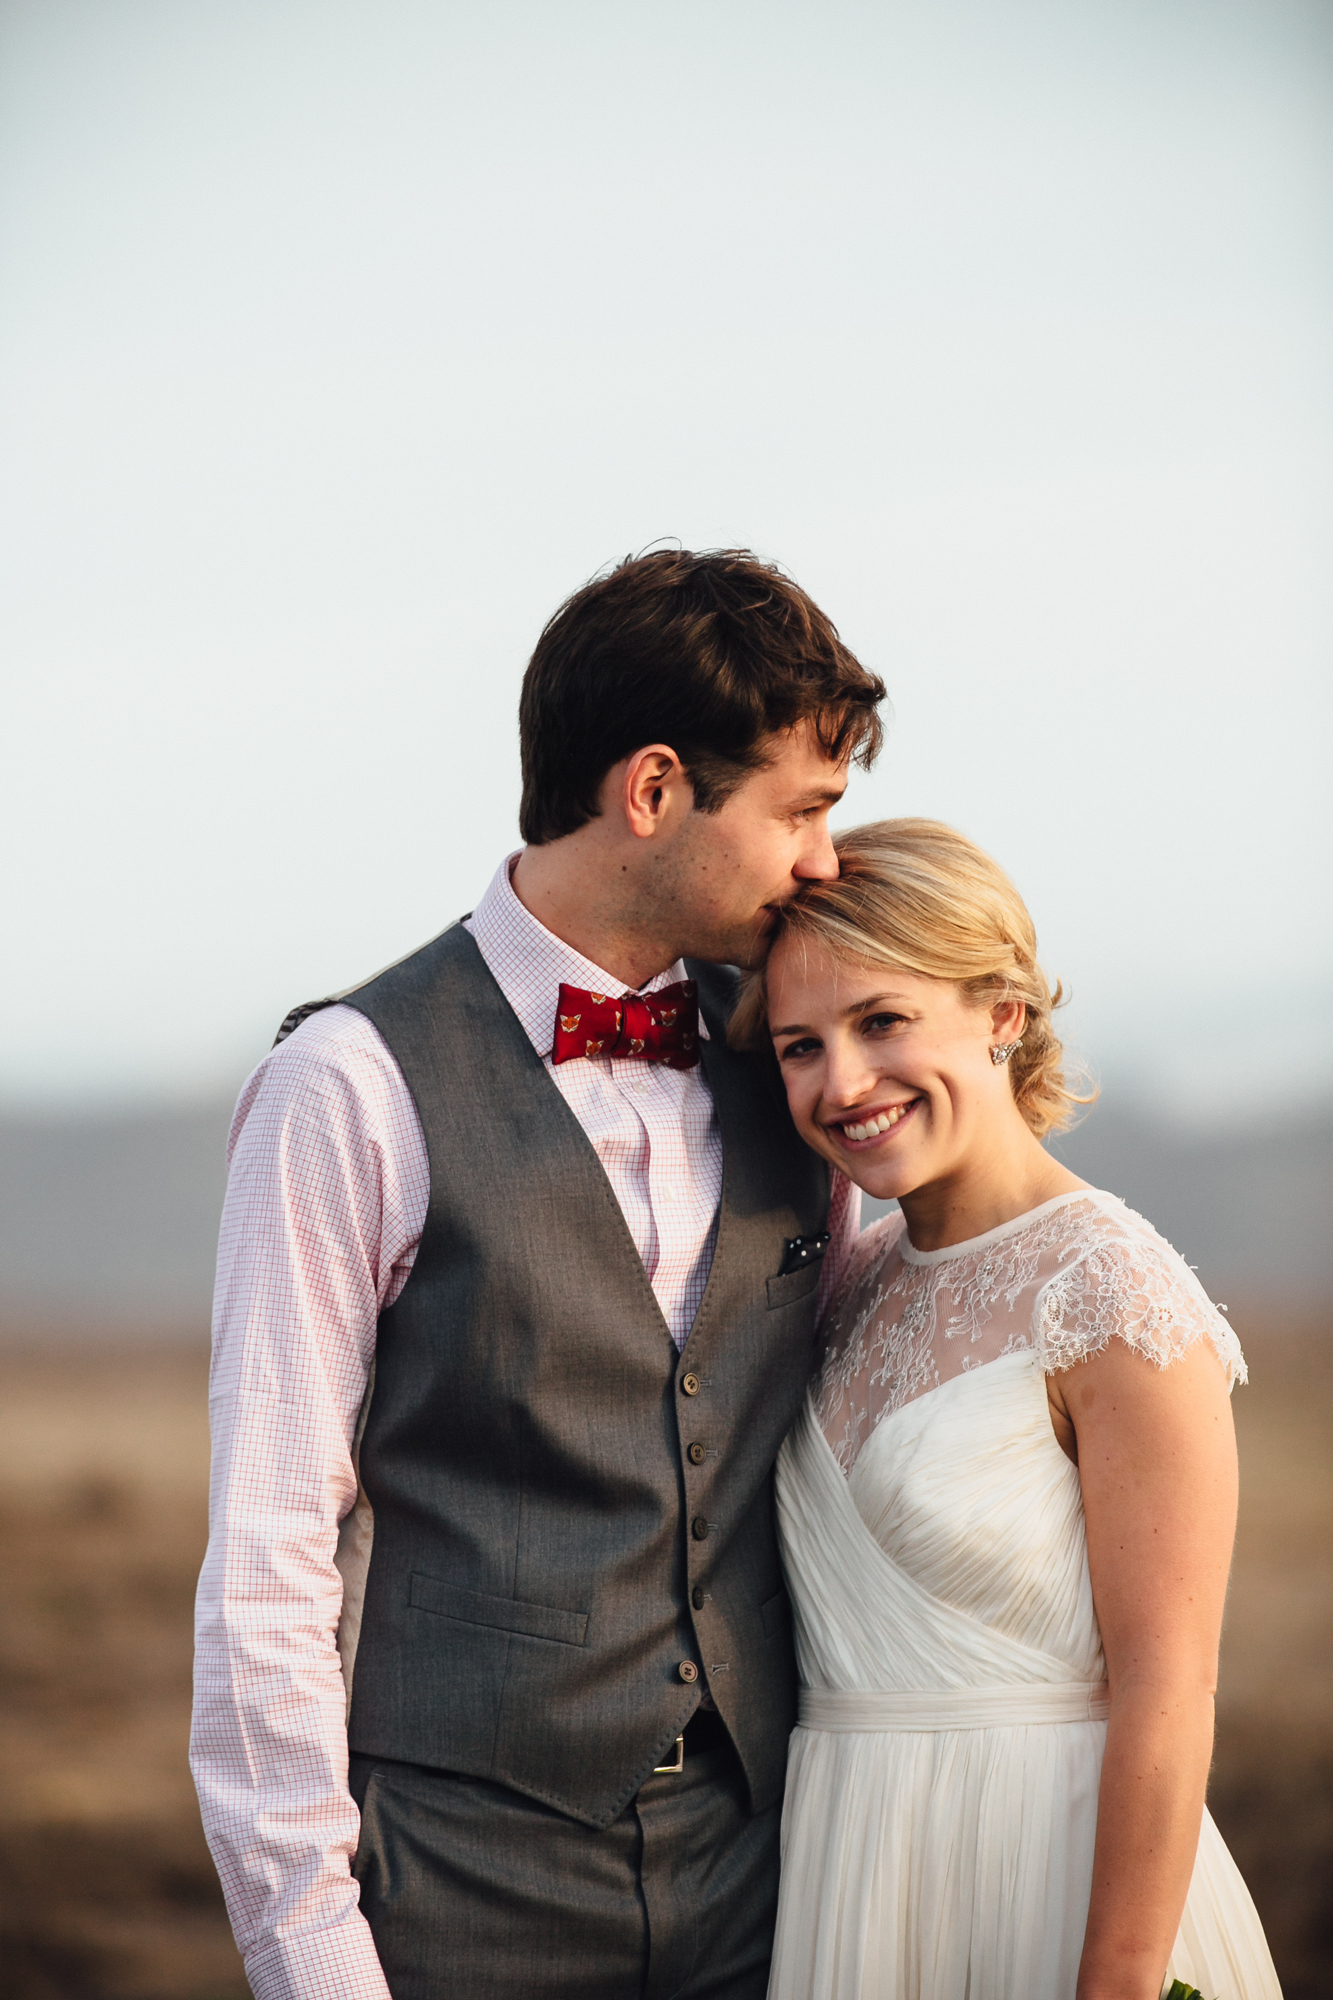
point(655, 791)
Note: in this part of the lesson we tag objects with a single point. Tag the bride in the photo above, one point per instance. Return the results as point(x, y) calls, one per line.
point(1007, 1507)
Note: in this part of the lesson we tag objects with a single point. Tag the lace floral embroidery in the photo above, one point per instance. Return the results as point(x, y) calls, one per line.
point(1062, 1285)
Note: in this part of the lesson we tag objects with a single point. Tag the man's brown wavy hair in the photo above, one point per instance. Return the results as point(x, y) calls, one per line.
point(710, 653)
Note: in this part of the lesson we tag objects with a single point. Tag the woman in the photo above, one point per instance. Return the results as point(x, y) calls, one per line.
point(1007, 1509)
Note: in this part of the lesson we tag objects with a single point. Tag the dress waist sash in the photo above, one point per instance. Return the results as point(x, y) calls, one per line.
point(954, 1708)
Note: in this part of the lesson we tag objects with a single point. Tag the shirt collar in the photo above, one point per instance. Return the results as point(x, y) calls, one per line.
point(530, 964)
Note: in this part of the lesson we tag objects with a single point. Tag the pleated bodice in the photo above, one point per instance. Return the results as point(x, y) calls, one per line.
point(953, 1556)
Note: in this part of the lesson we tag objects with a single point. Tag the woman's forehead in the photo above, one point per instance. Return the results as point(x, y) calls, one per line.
point(800, 967)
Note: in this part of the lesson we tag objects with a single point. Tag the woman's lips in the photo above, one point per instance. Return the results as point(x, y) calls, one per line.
point(869, 1127)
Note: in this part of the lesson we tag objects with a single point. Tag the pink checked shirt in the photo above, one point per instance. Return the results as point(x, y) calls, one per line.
point(326, 1198)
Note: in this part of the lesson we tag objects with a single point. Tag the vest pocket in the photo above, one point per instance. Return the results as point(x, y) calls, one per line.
point(794, 1285)
point(502, 1614)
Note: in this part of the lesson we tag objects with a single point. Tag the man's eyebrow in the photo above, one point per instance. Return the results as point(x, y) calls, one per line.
point(819, 795)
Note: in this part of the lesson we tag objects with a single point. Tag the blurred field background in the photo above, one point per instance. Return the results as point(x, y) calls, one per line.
point(106, 1888)
point(338, 343)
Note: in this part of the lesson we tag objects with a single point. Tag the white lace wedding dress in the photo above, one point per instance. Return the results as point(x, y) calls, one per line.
point(942, 1791)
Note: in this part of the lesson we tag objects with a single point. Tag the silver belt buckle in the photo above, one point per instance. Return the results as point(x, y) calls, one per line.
point(679, 1765)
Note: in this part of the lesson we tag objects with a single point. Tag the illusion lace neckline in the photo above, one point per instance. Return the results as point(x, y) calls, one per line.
point(909, 1253)
point(1059, 1282)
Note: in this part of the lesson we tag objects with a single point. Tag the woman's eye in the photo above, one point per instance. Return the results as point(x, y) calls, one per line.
point(805, 1047)
point(881, 1024)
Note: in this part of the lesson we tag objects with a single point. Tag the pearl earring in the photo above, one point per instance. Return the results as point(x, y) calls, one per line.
point(1004, 1051)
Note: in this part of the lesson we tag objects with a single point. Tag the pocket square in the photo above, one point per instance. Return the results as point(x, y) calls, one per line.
point(798, 1251)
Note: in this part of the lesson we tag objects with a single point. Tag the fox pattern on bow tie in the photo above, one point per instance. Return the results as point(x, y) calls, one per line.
point(661, 1027)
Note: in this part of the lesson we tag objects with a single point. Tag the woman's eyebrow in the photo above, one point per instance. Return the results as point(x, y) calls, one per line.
point(848, 1013)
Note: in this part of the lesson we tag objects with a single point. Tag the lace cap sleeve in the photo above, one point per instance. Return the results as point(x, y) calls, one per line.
point(1119, 1277)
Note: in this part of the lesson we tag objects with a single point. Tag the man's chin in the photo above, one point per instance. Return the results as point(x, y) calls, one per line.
point(750, 947)
point(747, 946)
point(760, 935)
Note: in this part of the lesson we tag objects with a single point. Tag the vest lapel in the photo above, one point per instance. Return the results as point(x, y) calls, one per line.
point(519, 1074)
point(763, 1166)
point(717, 1061)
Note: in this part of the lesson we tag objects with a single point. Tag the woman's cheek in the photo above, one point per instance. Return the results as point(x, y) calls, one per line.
point(800, 1101)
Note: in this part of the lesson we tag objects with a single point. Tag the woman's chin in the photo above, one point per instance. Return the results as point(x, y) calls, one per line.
point(882, 1180)
point(885, 1163)
point(884, 1183)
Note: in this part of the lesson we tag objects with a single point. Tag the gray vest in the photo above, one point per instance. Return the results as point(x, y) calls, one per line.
point(569, 1516)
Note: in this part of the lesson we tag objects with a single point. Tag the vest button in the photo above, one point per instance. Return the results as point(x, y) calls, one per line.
point(688, 1671)
point(690, 1384)
point(697, 1597)
point(699, 1528)
point(697, 1454)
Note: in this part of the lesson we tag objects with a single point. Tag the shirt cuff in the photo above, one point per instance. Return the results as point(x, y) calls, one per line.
point(340, 1963)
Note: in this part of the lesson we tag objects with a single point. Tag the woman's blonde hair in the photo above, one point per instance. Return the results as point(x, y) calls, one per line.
point(914, 894)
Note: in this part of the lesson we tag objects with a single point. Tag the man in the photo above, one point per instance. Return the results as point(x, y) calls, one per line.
point(517, 1293)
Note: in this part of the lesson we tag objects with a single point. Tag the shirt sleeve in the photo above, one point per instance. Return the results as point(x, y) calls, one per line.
point(327, 1188)
point(844, 1226)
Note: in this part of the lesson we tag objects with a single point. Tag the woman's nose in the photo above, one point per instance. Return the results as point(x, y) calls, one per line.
point(848, 1077)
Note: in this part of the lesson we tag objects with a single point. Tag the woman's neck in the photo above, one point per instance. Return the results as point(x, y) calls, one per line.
point(984, 1191)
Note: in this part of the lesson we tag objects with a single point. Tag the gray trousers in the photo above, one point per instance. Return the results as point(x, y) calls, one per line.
point(471, 1889)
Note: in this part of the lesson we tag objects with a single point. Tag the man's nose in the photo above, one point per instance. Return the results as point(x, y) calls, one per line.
point(818, 861)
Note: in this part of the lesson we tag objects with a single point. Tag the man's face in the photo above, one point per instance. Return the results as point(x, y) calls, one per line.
point(720, 881)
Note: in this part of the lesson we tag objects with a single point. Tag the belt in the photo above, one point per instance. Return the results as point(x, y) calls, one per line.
point(856, 1709)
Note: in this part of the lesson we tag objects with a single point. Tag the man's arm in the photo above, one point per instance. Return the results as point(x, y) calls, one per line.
point(326, 1195)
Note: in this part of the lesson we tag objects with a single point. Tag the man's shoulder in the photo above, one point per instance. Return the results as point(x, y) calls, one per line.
point(424, 963)
point(331, 1081)
point(331, 1050)
point(327, 1034)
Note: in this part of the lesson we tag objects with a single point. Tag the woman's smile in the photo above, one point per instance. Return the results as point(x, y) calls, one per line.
point(861, 1130)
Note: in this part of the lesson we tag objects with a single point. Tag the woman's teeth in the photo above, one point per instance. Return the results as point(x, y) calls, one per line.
point(885, 1122)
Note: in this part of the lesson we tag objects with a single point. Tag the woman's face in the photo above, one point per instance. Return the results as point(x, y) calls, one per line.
point(888, 1074)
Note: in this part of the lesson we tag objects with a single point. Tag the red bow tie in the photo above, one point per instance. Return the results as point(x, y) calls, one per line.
point(661, 1027)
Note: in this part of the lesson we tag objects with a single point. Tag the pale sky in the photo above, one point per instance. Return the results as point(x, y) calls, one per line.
point(339, 342)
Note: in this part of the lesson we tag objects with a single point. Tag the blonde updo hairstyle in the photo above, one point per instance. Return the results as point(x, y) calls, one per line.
point(916, 895)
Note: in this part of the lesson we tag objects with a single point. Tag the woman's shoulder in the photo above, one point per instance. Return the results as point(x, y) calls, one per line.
point(872, 1252)
point(1117, 1277)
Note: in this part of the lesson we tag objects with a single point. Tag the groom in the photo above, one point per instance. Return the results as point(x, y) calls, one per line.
point(517, 1291)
